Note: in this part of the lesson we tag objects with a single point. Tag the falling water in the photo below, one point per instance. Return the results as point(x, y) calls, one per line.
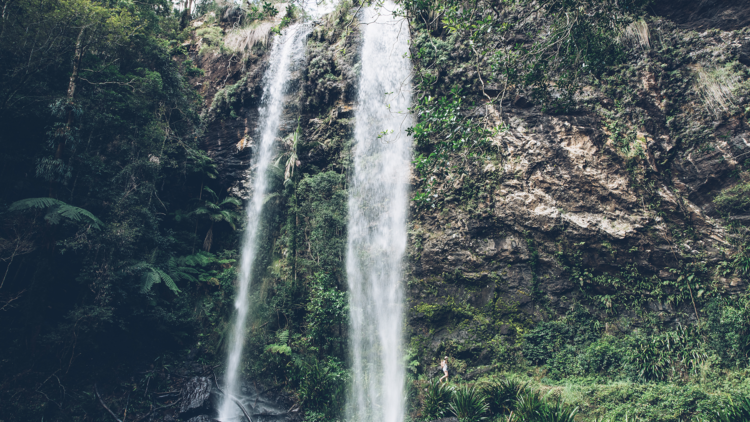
point(287, 50)
point(378, 200)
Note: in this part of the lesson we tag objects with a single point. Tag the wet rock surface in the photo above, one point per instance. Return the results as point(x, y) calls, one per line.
point(195, 395)
point(200, 401)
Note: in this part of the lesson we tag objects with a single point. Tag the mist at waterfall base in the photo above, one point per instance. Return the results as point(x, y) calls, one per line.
point(287, 51)
point(378, 203)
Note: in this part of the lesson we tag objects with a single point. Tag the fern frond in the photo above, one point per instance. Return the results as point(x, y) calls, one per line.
point(185, 275)
point(210, 192)
point(231, 200)
point(269, 197)
point(52, 217)
point(79, 215)
point(172, 264)
point(168, 281)
point(149, 278)
point(38, 203)
point(229, 217)
point(57, 209)
point(202, 258)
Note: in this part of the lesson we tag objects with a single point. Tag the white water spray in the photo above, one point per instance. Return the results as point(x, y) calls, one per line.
point(288, 49)
point(378, 202)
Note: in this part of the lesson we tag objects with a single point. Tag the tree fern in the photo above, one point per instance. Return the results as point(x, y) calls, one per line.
point(57, 209)
point(153, 275)
point(167, 280)
point(180, 272)
point(148, 280)
point(201, 258)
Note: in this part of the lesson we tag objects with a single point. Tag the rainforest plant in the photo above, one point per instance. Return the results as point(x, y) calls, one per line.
point(501, 397)
point(468, 404)
point(437, 398)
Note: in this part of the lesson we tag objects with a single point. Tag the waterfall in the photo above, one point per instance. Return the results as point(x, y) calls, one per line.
point(287, 49)
point(378, 201)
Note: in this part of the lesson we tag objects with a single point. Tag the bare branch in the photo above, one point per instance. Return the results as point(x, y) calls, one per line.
point(96, 390)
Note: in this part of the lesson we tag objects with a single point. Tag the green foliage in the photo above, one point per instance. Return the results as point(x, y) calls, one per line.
point(734, 200)
point(738, 410)
point(281, 346)
point(327, 312)
point(152, 275)
point(728, 330)
point(468, 404)
point(56, 210)
point(436, 400)
point(557, 411)
point(672, 354)
point(501, 396)
point(322, 387)
point(548, 339)
point(529, 405)
point(449, 120)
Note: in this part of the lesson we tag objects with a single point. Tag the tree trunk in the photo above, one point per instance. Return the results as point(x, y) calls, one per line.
point(69, 100)
point(209, 238)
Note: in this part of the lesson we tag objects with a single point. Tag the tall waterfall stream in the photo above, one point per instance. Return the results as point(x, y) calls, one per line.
point(378, 203)
point(287, 50)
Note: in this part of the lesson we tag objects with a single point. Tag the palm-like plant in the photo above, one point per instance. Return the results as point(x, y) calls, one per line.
point(436, 400)
point(152, 274)
point(529, 405)
point(217, 211)
point(502, 396)
point(556, 412)
point(468, 404)
point(292, 160)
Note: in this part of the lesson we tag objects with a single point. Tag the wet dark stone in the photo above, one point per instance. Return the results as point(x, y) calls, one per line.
point(195, 394)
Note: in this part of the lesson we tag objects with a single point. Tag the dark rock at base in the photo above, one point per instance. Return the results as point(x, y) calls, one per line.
point(201, 418)
point(195, 395)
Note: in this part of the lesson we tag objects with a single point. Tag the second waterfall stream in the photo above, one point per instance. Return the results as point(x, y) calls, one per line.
point(378, 204)
point(288, 50)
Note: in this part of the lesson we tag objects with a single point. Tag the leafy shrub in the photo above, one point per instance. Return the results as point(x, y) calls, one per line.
point(529, 405)
point(662, 356)
point(737, 411)
point(548, 339)
point(728, 331)
point(468, 404)
point(501, 396)
point(601, 356)
point(734, 200)
point(555, 412)
point(322, 386)
point(437, 400)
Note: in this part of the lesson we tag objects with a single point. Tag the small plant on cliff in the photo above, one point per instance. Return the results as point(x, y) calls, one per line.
point(468, 404)
point(436, 400)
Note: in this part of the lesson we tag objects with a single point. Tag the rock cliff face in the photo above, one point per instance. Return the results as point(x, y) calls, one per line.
point(563, 215)
point(319, 101)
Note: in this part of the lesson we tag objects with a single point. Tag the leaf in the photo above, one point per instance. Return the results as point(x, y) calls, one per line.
point(40, 203)
point(57, 209)
point(168, 280)
point(150, 278)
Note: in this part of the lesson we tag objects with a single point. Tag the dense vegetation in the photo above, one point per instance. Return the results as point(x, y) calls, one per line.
point(119, 241)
